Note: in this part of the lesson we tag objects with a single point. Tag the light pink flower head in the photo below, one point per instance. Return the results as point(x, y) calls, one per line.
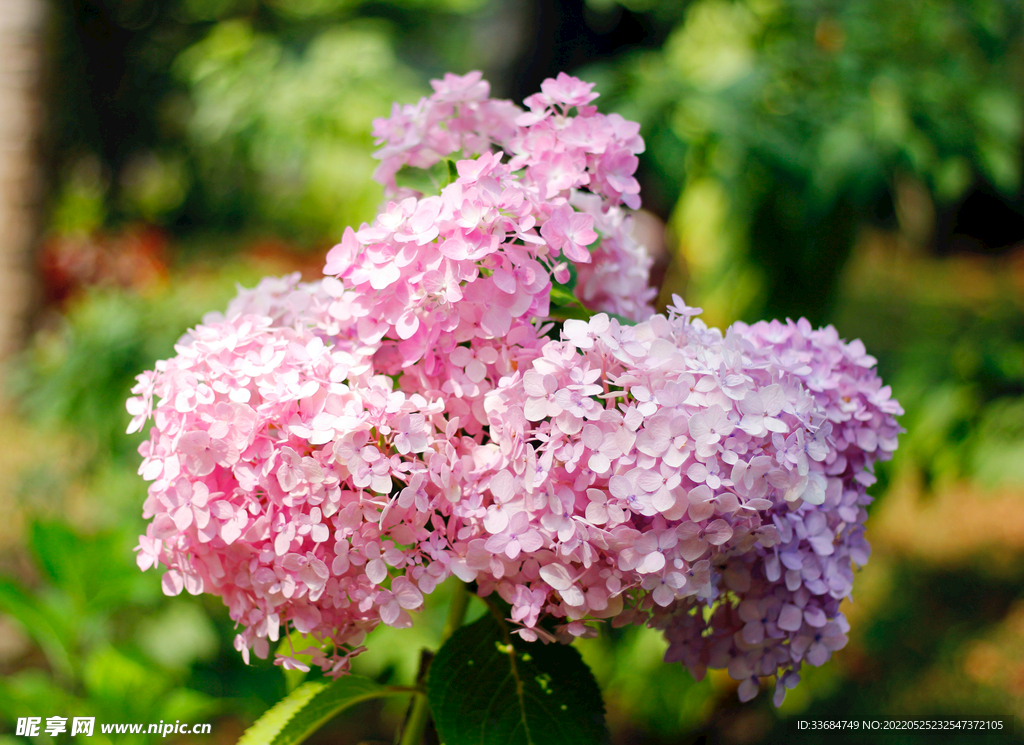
point(701, 470)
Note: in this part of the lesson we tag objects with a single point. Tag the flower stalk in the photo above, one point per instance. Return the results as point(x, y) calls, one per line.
point(415, 724)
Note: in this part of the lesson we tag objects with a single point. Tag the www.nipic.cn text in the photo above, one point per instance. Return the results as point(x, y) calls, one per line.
point(86, 726)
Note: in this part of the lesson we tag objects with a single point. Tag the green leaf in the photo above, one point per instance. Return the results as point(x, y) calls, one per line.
point(293, 679)
point(486, 687)
point(39, 623)
point(426, 180)
point(565, 305)
point(299, 714)
point(560, 295)
point(294, 676)
point(574, 279)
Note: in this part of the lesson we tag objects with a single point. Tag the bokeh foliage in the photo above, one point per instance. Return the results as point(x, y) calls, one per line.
point(784, 126)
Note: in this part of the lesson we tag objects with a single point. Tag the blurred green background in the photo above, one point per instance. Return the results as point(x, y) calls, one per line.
point(857, 162)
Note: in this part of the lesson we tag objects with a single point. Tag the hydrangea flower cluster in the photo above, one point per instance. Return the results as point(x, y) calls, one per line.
point(552, 157)
point(273, 461)
point(665, 468)
point(781, 596)
point(324, 454)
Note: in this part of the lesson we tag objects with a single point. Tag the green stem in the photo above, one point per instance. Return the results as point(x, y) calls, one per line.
point(417, 722)
point(412, 734)
point(456, 611)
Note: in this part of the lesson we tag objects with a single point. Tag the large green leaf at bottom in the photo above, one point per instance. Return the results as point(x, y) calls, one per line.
point(299, 714)
point(488, 688)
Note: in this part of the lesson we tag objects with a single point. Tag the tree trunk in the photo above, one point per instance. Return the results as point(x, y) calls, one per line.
point(21, 64)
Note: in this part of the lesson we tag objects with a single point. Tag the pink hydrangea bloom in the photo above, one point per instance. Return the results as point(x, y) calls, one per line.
point(273, 459)
point(587, 160)
point(324, 454)
point(703, 462)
